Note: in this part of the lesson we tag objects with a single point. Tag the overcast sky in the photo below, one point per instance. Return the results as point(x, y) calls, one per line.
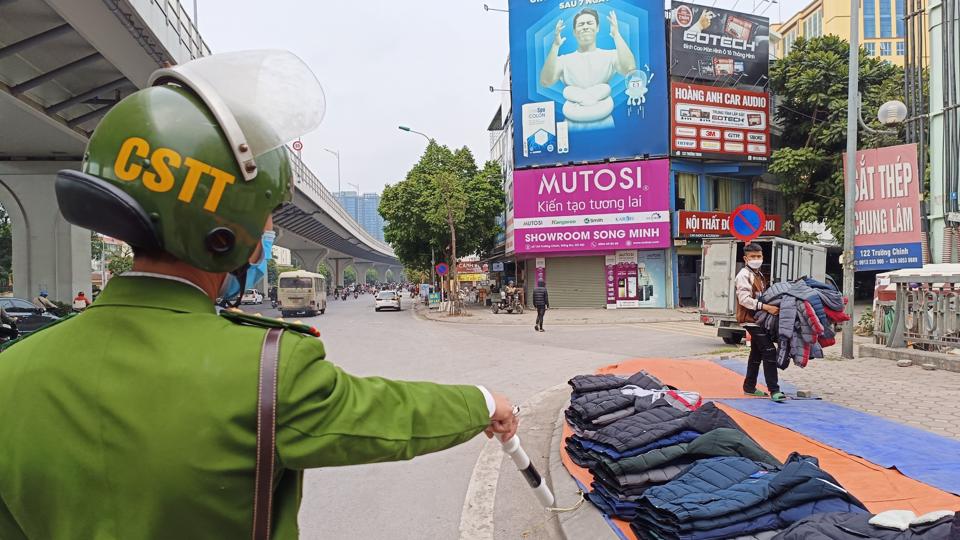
point(426, 64)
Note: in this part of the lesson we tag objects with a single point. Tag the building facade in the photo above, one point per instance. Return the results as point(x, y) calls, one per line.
point(944, 130)
point(364, 208)
point(881, 26)
point(596, 201)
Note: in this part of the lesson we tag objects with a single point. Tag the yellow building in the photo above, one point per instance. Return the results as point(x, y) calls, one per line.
point(881, 26)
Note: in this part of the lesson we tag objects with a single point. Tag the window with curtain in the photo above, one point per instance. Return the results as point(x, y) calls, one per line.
point(726, 194)
point(688, 189)
point(900, 49)
point(870, 19)
point(900, 23)
point(886, 18)
point(885, 48)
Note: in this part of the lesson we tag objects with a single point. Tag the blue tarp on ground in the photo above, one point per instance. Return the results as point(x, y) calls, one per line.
point(740, 366)
point(919, 454)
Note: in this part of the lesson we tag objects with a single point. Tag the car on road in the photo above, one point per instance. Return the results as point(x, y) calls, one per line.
point(387, 300)
point(30, 318)
point(252, 296)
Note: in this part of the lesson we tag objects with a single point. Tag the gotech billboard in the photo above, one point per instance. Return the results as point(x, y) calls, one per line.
point(722, 123)
point(713, 44)
point(589, 81)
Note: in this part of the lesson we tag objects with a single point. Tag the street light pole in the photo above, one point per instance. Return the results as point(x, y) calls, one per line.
point(853, 115)
point(337, 154)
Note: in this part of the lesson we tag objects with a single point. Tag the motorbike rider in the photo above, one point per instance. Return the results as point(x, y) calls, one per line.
point(81, 302)
point(10, 330)
point(161, 420)
point(42, 302)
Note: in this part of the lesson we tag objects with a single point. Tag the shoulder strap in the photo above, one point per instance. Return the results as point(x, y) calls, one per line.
point(266, 434)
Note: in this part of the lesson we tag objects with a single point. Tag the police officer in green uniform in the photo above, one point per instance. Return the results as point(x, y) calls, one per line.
point(137, 418)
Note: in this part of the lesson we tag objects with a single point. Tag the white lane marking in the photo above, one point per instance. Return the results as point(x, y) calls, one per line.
point(476, 518)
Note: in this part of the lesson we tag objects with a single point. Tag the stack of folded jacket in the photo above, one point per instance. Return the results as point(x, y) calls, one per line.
point(725, 497)
point(619, 484)
point(644, 430)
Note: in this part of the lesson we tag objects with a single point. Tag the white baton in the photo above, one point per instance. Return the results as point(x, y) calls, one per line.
point(525, 466)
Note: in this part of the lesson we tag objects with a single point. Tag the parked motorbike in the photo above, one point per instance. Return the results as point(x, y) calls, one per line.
point(8, 332)
point(508, 302)
point(356, 295)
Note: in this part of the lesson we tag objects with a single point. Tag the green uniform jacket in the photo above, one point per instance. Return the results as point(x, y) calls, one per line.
point(137, 419)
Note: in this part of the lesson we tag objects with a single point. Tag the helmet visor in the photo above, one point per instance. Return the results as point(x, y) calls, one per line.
point(271, 94)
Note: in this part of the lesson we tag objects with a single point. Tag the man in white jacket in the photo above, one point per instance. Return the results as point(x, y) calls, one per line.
point(750, 285)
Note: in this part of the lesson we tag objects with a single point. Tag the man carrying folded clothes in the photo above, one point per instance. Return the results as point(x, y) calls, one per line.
point(750, 285)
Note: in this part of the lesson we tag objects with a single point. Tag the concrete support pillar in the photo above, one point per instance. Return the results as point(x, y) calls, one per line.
point(338, 265)
point(361, 268)
point(395, 272)
point(381, 272)
point(48, 252)
point(311, 258)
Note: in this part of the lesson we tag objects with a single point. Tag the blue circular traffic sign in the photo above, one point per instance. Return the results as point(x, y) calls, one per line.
point(442, 269)
point(747, 222)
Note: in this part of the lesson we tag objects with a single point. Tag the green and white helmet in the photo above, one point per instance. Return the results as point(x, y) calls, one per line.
point(194, 164)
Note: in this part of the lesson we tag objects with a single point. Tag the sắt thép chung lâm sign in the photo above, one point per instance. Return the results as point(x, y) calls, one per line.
point(887, 209)
point(589, 81)
point(603, 207)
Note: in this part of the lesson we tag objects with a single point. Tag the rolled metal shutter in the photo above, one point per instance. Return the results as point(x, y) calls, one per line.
point(576, 282)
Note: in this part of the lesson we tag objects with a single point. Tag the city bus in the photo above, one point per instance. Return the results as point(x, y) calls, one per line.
point(301, 292)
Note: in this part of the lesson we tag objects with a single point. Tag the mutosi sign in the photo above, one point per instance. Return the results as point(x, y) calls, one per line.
point(713, 44)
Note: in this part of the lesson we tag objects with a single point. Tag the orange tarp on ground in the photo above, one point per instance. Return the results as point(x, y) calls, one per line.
point(711, 380)
point(878, 488)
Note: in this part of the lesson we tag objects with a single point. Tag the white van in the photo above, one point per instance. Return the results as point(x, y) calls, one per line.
point(301, 292)
point(783, 260)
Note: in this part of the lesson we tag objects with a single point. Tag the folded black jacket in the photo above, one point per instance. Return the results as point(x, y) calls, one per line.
point(587, 410)
point(583, 384)
point(647, 426)
point(847, 526)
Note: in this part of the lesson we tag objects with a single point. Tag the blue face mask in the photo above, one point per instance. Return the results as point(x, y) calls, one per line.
point(231, 286)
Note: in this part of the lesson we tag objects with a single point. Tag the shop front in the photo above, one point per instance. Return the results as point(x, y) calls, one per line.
point(597, 235)
point(705, 194)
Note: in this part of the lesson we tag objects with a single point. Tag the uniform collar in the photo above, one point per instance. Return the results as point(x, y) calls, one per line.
point(154, 291)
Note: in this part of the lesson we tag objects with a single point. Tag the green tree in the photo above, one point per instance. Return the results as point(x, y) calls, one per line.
point(273, 275)
point(6, 250)
point(96, 246)
point(371, 276)
point(446, 203)
point(349, 275)
point(322, 268)
point(120, 262)
point(811, 86)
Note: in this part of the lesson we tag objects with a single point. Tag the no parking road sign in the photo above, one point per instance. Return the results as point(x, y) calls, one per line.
point(747, 222)
point(442, 269)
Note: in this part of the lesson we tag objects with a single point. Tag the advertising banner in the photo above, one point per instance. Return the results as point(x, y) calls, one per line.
point(717, 224)
point(887, 209)
point(635, 279)
point(589, 81)
point(723, 123)
point(713, 44)
point(592, 207)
